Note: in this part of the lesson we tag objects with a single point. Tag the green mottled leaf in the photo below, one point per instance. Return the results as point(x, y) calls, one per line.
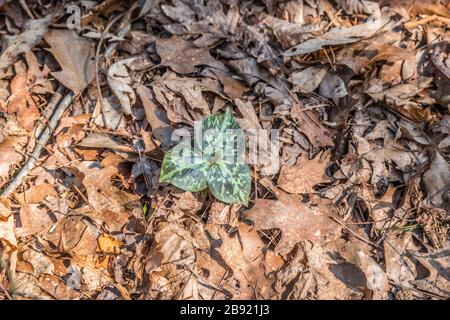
point(229, 183)
point(216, 161)
point(184, 167)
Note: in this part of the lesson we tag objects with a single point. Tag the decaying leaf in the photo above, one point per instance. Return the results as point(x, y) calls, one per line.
point(76, 58)
point(119, 81)
point(304, 175)
point(297, 221)
point(13, 47)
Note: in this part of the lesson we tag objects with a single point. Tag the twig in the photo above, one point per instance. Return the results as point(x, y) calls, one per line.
point(49, 110)
point(356, 235)
point(413, 24)
point(42, 141)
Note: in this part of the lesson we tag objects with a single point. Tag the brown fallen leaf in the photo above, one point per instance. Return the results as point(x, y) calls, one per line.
point(437, 181)
point(119, 81)
point(308, 122)
point(399, 99)
point(75, 58)
point(8, 240)
point(183, 57)
point(21, 103)
point(304, 175)
point(107, 244)
point(73, 235)
point(192, 90)
point(56, 287)
point(341, 35)
point(155, 116)
point(307, 80)
point(9, 155)
point(32, 34)
point(34, 218)
point(243, 257)
point(297, 220)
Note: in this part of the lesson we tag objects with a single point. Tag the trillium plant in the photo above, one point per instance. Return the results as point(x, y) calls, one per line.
point(214, 159)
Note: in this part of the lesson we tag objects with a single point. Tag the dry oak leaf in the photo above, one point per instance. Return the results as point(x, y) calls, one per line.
point(297, 220)
point(9, 155)
point(33, 219)
point(75, 56)
point(308, 123)
point(236, 265)
point(21, 103)
point(182, 57)
point(8, 241)
point(107, 244)
point(304, 175)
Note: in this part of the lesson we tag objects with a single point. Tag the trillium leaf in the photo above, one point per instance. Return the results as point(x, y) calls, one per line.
point(184, 167)
point(230, 183)
point(215, 161)
point(215, 131)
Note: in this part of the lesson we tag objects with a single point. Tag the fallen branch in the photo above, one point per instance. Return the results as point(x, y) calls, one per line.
point(41, 142)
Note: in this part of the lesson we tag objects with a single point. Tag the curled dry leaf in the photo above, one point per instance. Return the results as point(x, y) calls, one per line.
point(399, 99)
point(34, 218)
point(340, 35)
point(309, 79)
point(10, 155)
point(437, 182)
point(119, 81)
point(157, 119)
point(14, 46)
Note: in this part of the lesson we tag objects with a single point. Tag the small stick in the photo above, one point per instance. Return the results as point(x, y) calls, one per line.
point(41, 142)
point(413, 24)
point(49, 110)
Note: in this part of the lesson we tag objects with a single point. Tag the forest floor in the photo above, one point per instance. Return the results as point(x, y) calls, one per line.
point(353, 205)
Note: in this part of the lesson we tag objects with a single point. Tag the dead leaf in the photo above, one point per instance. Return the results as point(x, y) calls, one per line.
point(34, 218)
point(340, 35)
point(107, 244)
point(119, 81)
point(75, 58)
point(309, 79)
point(182, 57)
point(308, 122)
point(21, 103)
point(304, 175)
point(297, 220)
point(14, 46)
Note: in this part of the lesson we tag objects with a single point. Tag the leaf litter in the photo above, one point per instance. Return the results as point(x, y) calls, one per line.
point(357, 207)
